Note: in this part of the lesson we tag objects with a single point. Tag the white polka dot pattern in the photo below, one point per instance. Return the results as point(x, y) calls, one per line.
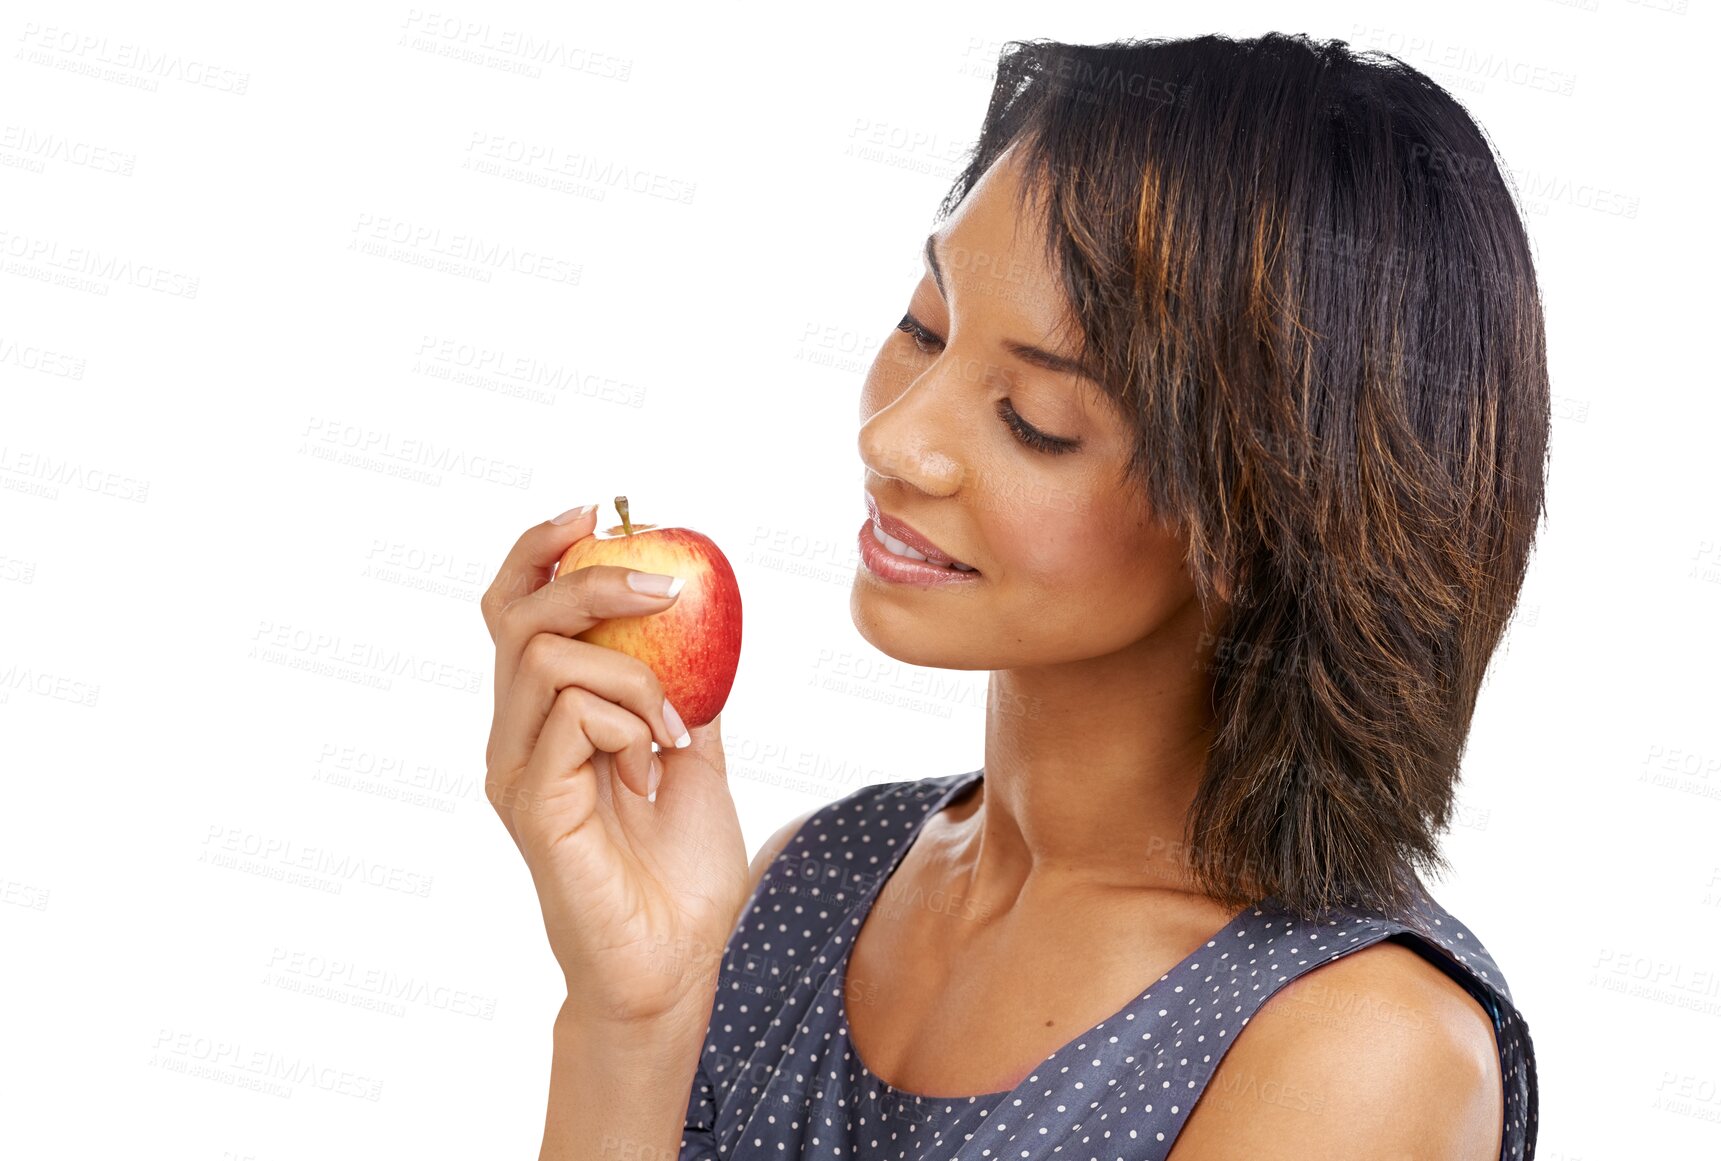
point(779, 1077)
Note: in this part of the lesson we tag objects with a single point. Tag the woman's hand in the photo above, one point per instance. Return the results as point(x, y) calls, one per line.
point(639, 897)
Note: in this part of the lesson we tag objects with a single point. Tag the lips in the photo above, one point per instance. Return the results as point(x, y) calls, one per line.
point(907, 534)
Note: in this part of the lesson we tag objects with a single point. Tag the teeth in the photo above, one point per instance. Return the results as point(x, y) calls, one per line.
point(895, 545)
point(901, 549)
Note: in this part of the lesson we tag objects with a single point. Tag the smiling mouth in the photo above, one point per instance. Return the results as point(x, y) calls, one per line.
point(893, 545)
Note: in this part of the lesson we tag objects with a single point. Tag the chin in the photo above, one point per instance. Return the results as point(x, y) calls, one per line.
point(901, 632)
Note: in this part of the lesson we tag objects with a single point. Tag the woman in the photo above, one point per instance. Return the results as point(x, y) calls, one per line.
point(1216, 434)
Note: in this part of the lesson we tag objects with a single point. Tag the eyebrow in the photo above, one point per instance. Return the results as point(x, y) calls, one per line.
point(1026, 352)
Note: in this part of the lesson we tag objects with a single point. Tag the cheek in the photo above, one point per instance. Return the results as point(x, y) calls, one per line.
point(1068, 541)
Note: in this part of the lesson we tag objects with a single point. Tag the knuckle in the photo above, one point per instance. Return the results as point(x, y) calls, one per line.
point(570, 702)
point(645, 682)
point(539, 653)
point(509, 616)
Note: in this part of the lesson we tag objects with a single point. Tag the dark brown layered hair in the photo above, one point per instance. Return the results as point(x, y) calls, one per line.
point(1311, 292)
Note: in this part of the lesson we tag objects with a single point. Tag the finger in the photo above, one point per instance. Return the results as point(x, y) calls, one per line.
point(604, 764)
point(569, 605)
point(530, 562)
point(581, 724)
point(517, 799)
point(551, 663)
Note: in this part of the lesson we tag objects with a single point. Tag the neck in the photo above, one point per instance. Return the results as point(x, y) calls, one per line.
point(1091, 766)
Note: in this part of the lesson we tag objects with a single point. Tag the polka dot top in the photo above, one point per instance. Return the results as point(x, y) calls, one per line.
point(780, 1078)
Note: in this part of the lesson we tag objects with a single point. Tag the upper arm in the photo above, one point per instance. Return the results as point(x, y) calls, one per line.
point(1377, 1054)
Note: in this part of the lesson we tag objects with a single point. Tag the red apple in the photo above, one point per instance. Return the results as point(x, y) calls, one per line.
point(694, 646)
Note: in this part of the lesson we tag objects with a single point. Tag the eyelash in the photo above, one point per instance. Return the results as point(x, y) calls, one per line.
point(1033, 438)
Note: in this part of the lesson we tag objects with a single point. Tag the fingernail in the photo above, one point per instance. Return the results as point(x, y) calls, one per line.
point(573, 514)
point(676, 726)
point(658, 584)
point(654, 777)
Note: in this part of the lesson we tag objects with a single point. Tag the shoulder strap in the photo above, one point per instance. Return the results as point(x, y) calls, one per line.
point(1266, 948)
point(812, 885)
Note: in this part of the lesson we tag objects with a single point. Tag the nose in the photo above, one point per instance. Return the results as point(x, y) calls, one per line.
point(916, 437)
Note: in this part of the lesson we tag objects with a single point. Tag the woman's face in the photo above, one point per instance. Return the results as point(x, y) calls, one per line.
point(1070, 565)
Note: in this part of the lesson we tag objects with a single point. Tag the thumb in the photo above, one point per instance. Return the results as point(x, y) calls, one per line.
point(684, 790)
point(704, 751)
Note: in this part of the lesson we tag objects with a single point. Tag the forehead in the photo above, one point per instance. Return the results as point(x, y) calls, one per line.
point(993, 246)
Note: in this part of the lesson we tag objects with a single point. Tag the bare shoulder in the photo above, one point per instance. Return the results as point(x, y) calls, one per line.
point(1377, 1054)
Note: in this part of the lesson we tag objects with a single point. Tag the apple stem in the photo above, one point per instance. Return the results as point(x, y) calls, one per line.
point(621, 507)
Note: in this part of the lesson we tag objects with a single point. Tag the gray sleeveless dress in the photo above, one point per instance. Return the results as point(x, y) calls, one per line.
point(779, 1077)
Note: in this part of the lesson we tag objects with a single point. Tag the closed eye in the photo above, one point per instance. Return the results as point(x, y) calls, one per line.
point(928, 343)
point(923, 338)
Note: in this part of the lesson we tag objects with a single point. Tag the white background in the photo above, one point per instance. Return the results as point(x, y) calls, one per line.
point(223, 633)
